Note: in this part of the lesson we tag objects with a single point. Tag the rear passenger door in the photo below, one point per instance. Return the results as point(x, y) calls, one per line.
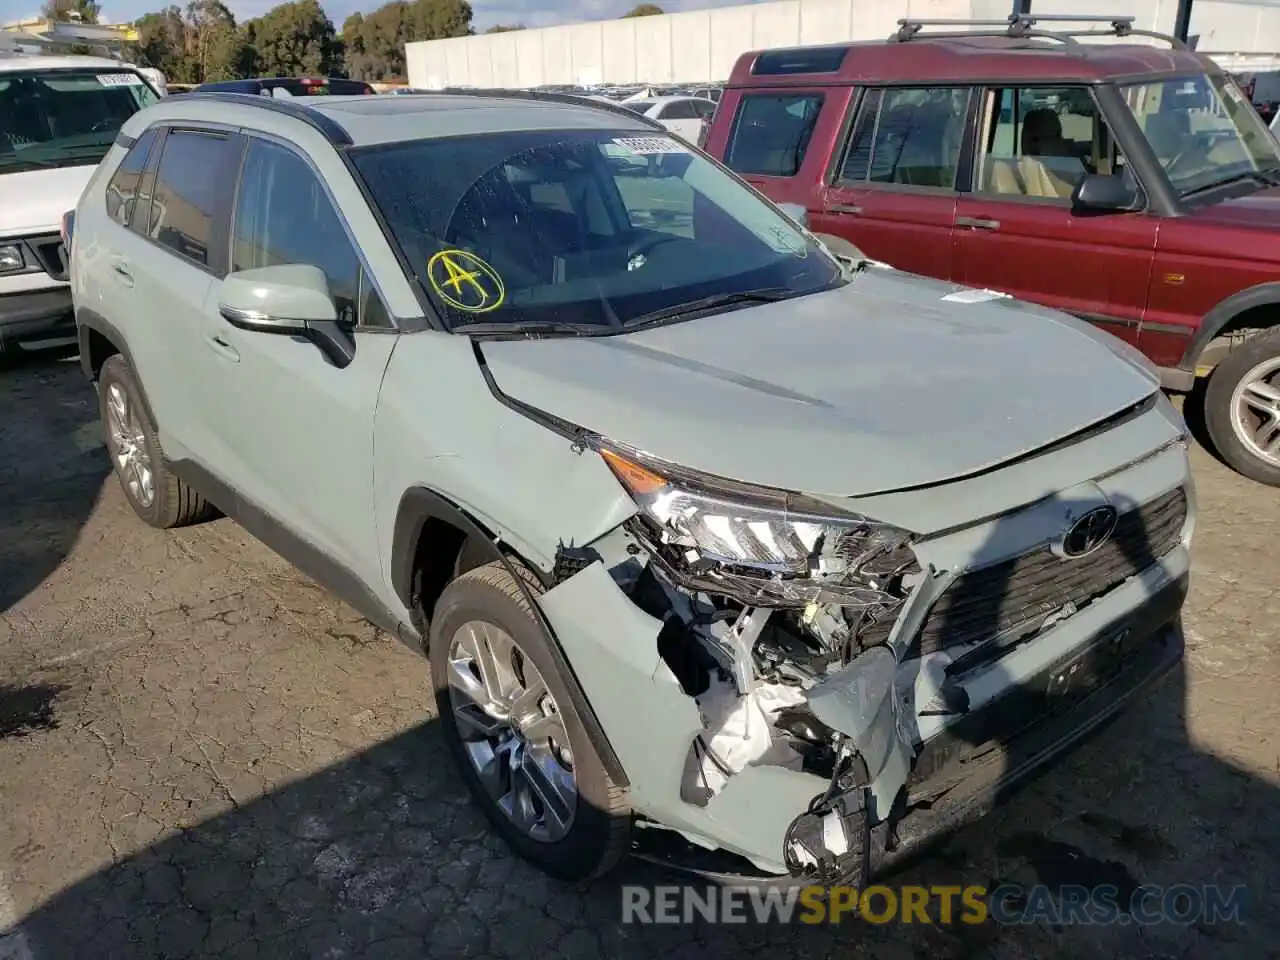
point(162, 264)
point(894, 188)
point(1016, 231)
point(778, 141)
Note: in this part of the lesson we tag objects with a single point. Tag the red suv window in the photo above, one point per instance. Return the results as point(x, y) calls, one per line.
point(771, 133)
point(908, 135)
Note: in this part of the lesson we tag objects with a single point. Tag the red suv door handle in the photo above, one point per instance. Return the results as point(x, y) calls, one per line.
point(844, 208)
point(978, 223)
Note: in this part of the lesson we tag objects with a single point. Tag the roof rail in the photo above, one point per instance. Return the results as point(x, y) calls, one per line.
point(332, 131)
point(547, 96)
point(1021, 26)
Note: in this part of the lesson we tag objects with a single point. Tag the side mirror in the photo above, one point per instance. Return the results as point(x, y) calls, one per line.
point(1100, 193)
point(292, 300)
point(796, 212)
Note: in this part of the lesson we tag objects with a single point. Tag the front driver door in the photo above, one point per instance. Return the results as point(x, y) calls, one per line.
point(1016, 232)
point(301, 427)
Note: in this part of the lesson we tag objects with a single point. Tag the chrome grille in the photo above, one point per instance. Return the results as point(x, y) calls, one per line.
point(988, 602)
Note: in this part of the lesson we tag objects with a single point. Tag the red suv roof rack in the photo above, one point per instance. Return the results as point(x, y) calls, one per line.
point(1022, 26)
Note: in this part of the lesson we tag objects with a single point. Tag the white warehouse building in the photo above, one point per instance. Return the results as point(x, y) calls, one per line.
point(702, 45)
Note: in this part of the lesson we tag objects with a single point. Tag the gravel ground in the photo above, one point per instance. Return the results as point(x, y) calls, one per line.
point(202, 754)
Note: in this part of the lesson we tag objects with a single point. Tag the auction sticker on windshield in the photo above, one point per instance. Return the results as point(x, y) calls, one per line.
point(119, 79)
point(650, 145)
point(465, 282)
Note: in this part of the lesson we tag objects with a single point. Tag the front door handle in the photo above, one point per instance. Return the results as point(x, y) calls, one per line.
point(224, 348)
point(121, 270)
point(852, 208)
point(978, 223)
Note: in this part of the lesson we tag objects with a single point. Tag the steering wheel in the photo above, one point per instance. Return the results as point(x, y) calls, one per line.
point(648, 243)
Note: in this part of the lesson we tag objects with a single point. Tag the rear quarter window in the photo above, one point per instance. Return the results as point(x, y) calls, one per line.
point(771, 133)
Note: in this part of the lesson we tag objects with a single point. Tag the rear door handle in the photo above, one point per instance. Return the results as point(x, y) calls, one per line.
point(121, 270)
point(978, 223)
point(852, 208)
point(223, 347)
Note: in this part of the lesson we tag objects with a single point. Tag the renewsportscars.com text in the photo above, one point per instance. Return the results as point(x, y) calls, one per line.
point(1182, 904)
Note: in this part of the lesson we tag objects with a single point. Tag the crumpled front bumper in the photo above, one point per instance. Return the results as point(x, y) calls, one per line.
point(927, 771)
point(650, 721)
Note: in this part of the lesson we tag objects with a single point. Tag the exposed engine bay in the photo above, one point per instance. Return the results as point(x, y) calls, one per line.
point(759, 604)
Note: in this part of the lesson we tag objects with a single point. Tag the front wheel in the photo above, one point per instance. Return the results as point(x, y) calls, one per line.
point(1242, 408)
point(523, 751)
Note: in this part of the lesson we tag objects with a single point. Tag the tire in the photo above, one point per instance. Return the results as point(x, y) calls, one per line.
point(597, 835)
point(1258, 357)
point(166, 501)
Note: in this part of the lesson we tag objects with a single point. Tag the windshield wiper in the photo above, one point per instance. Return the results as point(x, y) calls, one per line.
point(1256, 176)
point(713, 302)
point(531, 328)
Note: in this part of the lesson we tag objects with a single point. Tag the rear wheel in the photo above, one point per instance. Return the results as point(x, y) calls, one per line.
point(156, 495)
point(522, 749)
point(1242, 408)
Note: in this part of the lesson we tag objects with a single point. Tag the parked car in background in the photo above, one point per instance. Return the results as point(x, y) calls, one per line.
point(59, 116)
point(290, 86)
point(707, 533)
point(1131, 185)
point(683, 116)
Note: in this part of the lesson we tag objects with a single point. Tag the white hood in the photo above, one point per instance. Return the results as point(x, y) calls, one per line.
point(35, 200)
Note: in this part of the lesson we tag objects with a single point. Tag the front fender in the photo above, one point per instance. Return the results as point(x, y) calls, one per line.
point(1216, 320)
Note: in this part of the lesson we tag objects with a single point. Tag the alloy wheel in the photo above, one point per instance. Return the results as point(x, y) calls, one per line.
point(128, 445)
point(512, 730)
point(1255, 411)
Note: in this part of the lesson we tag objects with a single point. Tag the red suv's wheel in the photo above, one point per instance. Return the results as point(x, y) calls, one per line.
point(1242, 408)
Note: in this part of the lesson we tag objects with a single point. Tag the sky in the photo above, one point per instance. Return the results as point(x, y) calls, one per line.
point(532, 13)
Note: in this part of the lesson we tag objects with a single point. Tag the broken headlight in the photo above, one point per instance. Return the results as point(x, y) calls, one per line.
point(764, 547)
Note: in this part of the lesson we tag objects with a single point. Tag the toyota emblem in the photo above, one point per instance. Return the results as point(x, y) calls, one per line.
point(1089, 532)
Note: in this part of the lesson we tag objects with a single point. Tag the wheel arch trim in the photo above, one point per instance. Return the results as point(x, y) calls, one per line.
point(418, 505)
point(88, 320)
point(1217, 319)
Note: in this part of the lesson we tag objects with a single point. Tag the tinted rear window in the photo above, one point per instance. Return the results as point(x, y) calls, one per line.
point(771, 133)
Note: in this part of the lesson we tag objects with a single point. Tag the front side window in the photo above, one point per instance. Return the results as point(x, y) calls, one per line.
point(908, 135)
point(124, 190)
point(1040, 142)
point(771, 133)
point(284, 216)
point(65, 118)
point(1204, 132)
point(192, 182)
point(582, 232)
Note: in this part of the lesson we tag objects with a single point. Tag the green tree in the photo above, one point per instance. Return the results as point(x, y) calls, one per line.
point(294, 40)
point(162, 43)
point(436, 19)
point(86, 11)
point(374, 42)
point(645, 10)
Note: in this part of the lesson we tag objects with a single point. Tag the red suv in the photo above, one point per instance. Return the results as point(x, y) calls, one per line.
point(1126, 183)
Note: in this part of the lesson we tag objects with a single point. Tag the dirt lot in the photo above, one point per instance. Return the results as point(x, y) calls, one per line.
point(201, 754)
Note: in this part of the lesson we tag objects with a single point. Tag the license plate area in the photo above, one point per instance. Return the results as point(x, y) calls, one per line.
point(1087, 671)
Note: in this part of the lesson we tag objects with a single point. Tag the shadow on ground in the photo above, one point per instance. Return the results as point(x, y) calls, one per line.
point(48, 494)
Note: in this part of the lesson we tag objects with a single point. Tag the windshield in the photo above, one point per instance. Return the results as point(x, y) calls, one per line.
point(638, 106)
point(65, 118)
point(579, 232)
point(1204, 132)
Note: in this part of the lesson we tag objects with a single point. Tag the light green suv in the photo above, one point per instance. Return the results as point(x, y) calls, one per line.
point(715, 541)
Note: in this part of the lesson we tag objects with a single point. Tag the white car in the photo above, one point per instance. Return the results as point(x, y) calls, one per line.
point(59, 115)
point(683, 116)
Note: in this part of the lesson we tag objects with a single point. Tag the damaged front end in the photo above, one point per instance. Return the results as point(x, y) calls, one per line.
point(777, 620)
